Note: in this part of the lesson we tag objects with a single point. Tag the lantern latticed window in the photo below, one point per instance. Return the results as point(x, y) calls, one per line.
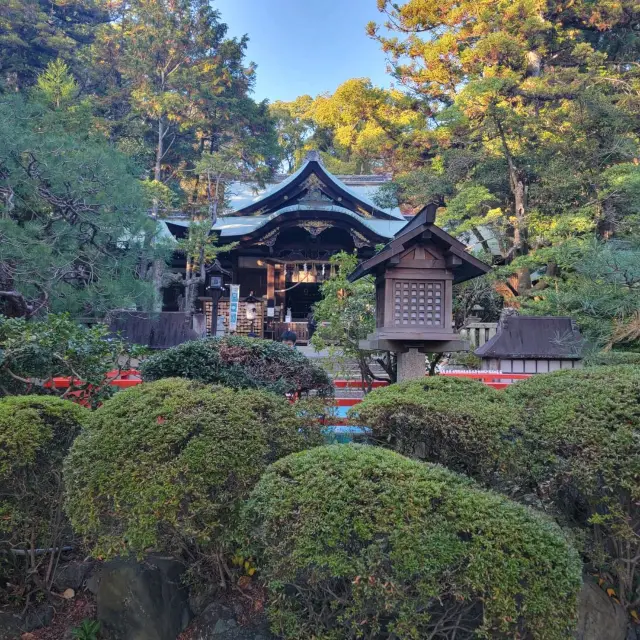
point(419, 303)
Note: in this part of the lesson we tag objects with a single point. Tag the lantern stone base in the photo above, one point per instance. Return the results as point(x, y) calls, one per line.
point(411, 365)
point(411, 353)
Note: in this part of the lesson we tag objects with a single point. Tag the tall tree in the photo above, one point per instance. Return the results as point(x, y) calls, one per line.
point(294, 126)
point(359, 128)
point(73, 217)
point(174, 86)
point(531, 101)
point(36, 32)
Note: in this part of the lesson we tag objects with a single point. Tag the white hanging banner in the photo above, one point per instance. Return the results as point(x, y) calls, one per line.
point(233, 307)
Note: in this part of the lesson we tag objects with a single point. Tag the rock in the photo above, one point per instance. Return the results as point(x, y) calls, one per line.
point(10, 626)
point(39, 617)
point(142, 601)
point(200, 599)
point(72, 575)
point(93, 581)
point(599, 617)
point(218, 622)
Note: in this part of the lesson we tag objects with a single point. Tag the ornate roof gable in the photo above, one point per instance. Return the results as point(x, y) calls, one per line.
point(312, 187)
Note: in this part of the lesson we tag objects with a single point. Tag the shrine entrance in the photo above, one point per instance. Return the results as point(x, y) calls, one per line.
point(301, 298)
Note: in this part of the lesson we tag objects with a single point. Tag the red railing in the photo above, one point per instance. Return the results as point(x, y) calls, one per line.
point(495, 380)
point(123, 379)
point(132, 377)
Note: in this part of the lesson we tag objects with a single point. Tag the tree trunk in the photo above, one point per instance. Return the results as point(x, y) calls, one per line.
point(157, 170)
point(518, 184)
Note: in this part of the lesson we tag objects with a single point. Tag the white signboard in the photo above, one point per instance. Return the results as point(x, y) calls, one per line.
point(233, 307)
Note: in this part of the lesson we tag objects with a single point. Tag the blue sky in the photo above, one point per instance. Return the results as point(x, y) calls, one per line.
point(306, 46)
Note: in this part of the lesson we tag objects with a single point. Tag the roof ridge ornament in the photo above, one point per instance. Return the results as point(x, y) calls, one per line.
point(313, 156)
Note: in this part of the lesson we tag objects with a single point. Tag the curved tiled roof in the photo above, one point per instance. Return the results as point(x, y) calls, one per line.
point(535, 337)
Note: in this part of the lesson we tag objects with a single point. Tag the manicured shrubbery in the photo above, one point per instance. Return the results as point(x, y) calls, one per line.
point(579, 449)
point(360, 542)
point(613, 358)
point(166, 465)
point(462, 424)
point(240, 363)
point(35, 351)
point(35, 435)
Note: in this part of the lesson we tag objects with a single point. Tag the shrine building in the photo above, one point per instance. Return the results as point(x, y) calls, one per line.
point(286, 235)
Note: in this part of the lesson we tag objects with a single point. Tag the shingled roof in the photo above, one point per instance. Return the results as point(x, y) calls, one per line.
point(422, 226)
point(539, 337)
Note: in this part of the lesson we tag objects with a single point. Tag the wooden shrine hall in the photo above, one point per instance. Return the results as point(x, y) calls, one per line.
point(286, 236)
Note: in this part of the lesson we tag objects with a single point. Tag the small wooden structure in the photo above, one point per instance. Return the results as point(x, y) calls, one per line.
point(533, 344)
point(415, 274)
point(157, 330)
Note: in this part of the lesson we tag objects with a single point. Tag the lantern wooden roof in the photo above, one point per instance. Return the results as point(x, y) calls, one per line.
point(422, 229)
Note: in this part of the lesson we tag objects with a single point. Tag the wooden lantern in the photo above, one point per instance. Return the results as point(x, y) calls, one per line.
point(415, 274)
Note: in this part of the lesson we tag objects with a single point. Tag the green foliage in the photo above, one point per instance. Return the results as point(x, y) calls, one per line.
point(578, 450)
point(176, 106)
point(35, 435)
point(462, 424)
point(599, 287)
point(610, 358)
point(165, 466)
point(36, 32)
point(535, 131)
point(359, 542)
point(88, 630)
point(345, 315)
point(56, 85)
point(32, 352)
point(240, 363)
point(357, 129)
point(74, 228)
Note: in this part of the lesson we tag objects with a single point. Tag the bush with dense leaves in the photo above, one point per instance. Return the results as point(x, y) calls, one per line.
point(35, 435)
point(462, 424)
point(166, 465)
point(612, 358)
point(240, 363)
point(579, 450)
point(32, 352)
point(360, 542)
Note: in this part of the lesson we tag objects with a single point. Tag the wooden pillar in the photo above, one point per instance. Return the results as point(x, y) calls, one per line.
point(271, 281)
point(282, 285)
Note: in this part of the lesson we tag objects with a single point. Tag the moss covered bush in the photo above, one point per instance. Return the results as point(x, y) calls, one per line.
point(462, 424)
point(360, 542)
point(36, 433)
point(579, 449)
point(165, 466)
point(240, 363)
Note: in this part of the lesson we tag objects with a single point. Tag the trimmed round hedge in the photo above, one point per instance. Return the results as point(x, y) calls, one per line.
point(240, 363)
point(360, 542)
point(462, 424)
point(579, 447)
point(165, 466)
point(35, 435)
